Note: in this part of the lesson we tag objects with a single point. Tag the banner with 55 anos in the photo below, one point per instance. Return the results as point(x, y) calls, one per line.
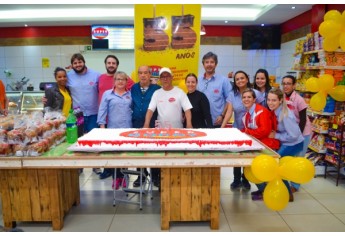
point(168, 35)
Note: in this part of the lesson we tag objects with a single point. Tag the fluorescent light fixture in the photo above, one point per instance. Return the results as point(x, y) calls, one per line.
point(125, 12)
point(38, 14)
point(236, 14)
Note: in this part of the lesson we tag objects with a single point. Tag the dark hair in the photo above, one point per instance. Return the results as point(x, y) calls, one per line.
point(77, 56)
point(267, 84)
point(210, 55)
point(293, 78)
point(235, 87)
point(193, 75)
point(58, 69)
point(114, 57)
point(249, 90)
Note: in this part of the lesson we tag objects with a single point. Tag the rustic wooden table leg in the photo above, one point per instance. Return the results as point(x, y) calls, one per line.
point(215, 198)
point(165, 198)
point(55, 198)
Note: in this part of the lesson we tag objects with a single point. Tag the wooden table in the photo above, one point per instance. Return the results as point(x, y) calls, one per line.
point(190, 181)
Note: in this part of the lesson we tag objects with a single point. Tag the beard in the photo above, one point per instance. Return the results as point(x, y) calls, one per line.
point(111, 70)
point(79, 71)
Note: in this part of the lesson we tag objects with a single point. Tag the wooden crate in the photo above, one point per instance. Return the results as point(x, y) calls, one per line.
point(38, 195)
point(190, 194)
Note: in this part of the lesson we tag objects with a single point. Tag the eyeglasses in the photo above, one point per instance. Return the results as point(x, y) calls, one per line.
point(286, 84)
point(121, 79)
point(165, 77)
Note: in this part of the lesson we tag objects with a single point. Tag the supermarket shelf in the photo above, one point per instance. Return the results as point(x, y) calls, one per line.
point(316, 150)
point(320, 131)
point(312, 112)
point(304, 68)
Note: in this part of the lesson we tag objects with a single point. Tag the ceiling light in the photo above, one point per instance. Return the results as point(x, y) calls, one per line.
point(226, 21)
point(293, 7)
point(67, 13)
point(262, 24)
point(236, 13)
point(26, 25)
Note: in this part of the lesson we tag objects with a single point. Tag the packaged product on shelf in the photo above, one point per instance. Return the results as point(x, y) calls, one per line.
point(318, 142)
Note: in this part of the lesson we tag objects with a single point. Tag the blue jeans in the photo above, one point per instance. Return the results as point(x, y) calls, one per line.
point(90, 122)
point(286, 151)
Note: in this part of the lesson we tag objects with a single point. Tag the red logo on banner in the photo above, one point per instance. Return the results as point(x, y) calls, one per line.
point(100, 33)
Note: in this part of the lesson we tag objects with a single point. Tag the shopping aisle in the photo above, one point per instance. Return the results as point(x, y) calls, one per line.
point(319, 206)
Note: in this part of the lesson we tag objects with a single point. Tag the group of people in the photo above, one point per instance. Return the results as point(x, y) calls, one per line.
point(112, 100)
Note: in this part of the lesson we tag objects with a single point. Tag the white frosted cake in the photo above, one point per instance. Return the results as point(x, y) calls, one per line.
point(229, 139)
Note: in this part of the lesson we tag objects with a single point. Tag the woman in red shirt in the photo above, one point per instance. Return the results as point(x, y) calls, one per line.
point(258, 122)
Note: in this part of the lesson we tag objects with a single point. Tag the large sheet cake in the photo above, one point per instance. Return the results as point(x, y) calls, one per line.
point(227, 139)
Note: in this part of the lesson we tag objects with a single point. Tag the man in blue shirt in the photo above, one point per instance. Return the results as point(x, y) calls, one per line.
point(216, 88)
point(141, 96)
point(83, 85)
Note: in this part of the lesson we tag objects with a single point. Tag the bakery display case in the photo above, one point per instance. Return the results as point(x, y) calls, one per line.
point(24, 101)
point(32, 101)
point(14, 102)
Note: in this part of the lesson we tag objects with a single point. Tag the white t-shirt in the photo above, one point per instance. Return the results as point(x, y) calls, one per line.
point(169, 105)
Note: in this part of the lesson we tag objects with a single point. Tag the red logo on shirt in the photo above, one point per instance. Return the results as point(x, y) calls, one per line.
point(216, 91)
point(172, 100)
point(127, 97)
point(91, 83)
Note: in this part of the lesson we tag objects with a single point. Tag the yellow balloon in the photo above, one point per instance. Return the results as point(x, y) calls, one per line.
point(338, 93)
point(250, 176)
point(342, 39)
point(312, 84)
point(332, 15)
point(326, 82)
point(299, 170)
point(342, 19)
point(318, 101)
point(284, 160)
point(182, 85)
point(265, 168)
point(331, 44)
point(329, 28)
point(276, 195)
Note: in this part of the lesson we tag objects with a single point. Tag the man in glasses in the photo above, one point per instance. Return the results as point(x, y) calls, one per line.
point(216, 88)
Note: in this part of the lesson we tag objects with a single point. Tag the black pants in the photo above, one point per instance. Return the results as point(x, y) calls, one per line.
point(238, 175)
point(145, 171)
point(156, 174)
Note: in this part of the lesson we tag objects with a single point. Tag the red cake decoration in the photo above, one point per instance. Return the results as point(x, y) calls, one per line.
point(163, 134)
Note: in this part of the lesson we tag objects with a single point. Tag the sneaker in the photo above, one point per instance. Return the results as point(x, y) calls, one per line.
point(258, 197)
point(136, 183)
point(105, 174)
point(291, 197)
point(293, 189)
point(256, 193)
point(97, 171)
point(235, 185)
point(117, 183)
point(246, 185)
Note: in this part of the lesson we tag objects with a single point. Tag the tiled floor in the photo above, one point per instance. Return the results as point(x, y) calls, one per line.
point(319, 206)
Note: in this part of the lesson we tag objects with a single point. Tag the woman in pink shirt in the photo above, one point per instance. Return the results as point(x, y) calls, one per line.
point(299, 107)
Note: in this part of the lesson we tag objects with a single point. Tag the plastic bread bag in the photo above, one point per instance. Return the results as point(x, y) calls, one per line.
point(19, 150)
point(36, 149)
